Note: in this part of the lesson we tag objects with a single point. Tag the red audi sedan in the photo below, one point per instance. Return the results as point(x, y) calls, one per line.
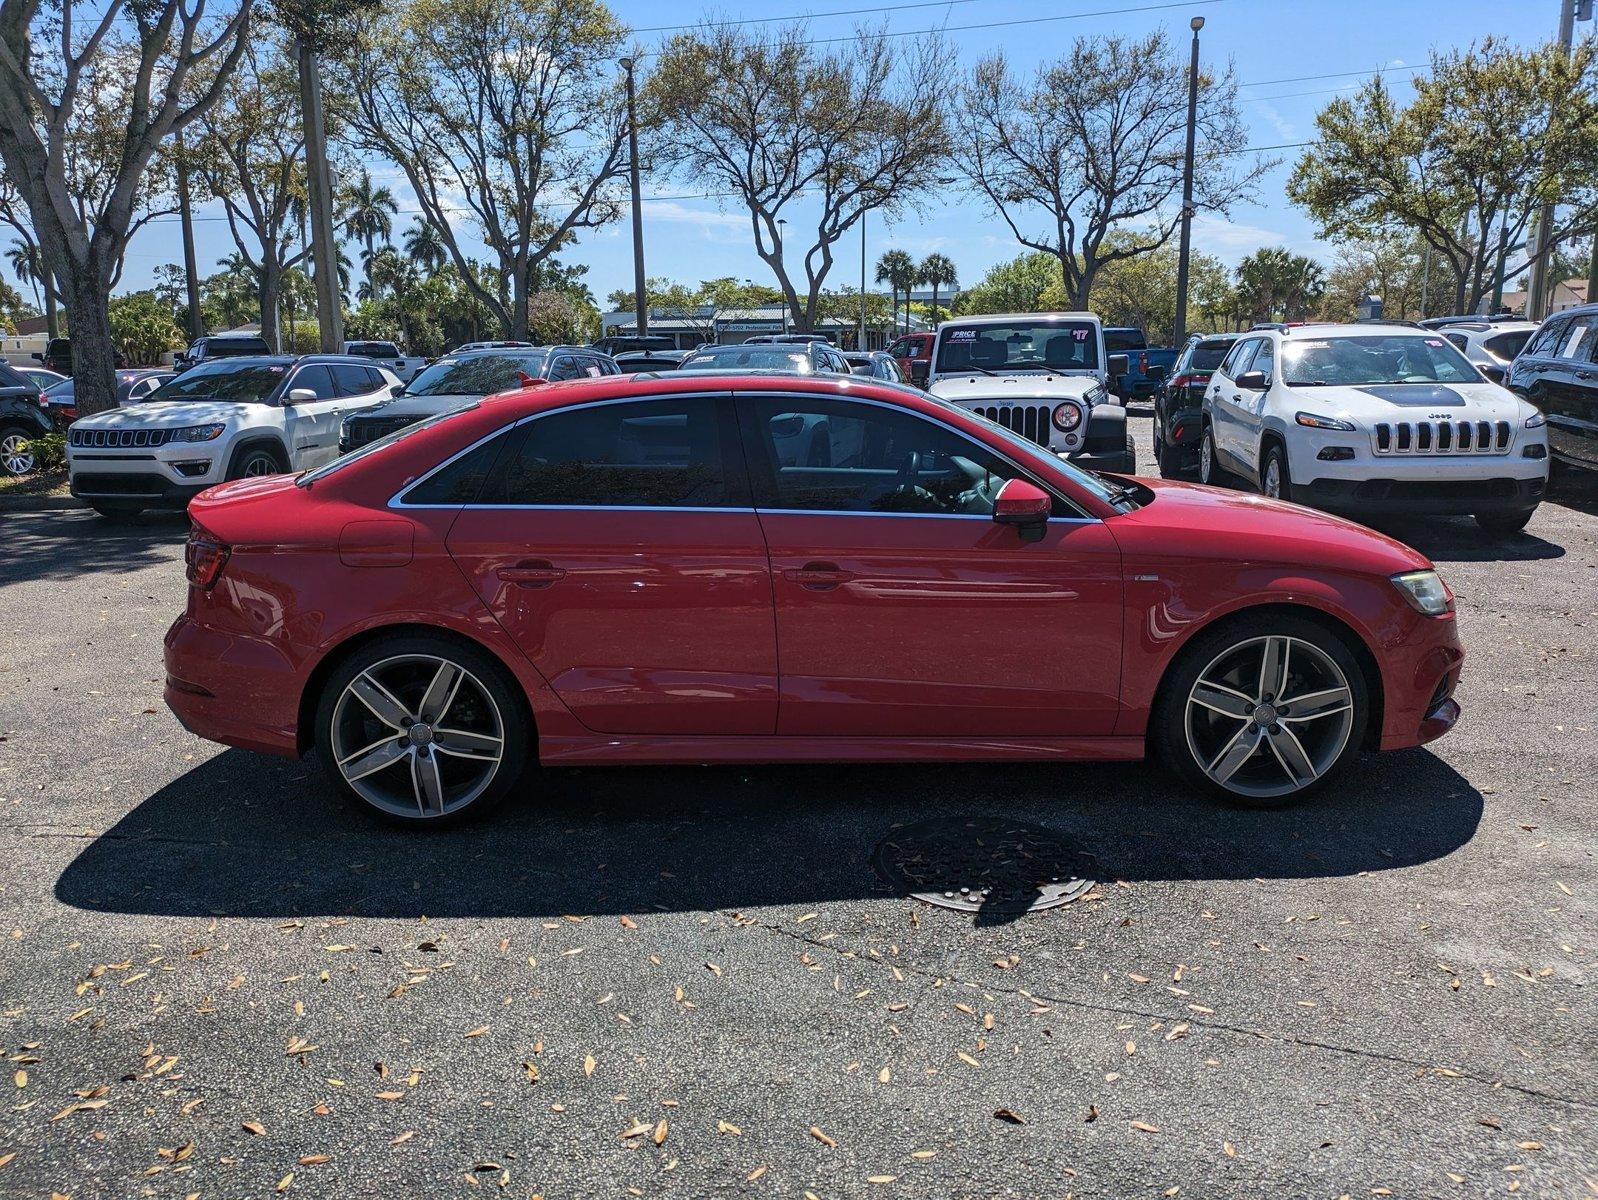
point(773, 568)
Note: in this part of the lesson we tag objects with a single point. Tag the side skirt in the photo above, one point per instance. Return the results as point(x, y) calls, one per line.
point(647, 749)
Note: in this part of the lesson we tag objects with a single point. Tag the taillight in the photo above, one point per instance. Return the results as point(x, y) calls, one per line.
point(203, 559)
point(1142, 364)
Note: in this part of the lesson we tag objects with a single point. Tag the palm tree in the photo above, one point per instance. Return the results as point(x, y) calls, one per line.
point(425, 246)
point(368, 210)
point(937, 270)
point(898, 270)
point(27, 267)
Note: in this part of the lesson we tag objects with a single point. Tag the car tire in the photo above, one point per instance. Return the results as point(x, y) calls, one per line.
point(252, 461)
point(377, 761)
point(1211, 473)
point(1504, 524)
point(1168, 457)
point(16, 461)
point(1276, 760)
point(1274, 479)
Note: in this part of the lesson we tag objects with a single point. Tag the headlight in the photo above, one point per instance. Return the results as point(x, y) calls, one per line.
point(1426, 592)
point(1315, 421)
point(198, 433)
point(1536, 421)
point(1067, 417)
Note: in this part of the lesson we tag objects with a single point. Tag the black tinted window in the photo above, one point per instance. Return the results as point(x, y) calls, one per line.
point(1547, 337)
point(351, 380)
point(317, 378)
point(1208, 355)
point(843, 456)
point(461, 481)
point(656, 454)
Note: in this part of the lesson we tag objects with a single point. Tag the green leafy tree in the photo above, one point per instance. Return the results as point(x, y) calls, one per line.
point(1274, 284)
point(510, 108)
point(1096, 140)
point(778, 119)
point(1013, 286)
point(1492, 132)
point(425, 246)
point(1140, 290)
point(142, 327)
point(89, 95)
point(936, 271)
point(898, 270)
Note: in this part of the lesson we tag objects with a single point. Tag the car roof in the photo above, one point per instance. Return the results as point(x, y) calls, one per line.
point(1348, 329)
point(1006, 318)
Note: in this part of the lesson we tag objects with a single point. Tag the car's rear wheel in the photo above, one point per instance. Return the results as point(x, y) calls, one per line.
point(423, 730)
point(15, 457)
point(1263, 710)
point(1166, 455)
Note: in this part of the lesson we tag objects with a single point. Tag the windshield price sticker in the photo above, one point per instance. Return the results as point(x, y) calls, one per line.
point(1080, 335)
point(962, 335)
point(1435, 342)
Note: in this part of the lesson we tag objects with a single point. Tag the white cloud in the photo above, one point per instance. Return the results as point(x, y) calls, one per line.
point(1285, 129)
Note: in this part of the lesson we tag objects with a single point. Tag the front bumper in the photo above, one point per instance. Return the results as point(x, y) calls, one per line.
point(1433, 497)
point(156, 477)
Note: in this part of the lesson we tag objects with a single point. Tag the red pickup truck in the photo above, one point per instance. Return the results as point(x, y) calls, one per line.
point(914, 352)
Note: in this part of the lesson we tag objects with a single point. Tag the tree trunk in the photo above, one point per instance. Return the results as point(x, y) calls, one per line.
point(271, 289)
point(517, 320)
point(93, 358)
point(52, 321)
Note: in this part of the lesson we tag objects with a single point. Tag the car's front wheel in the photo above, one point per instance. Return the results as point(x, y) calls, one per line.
point(251, 462)
point(1274, 479)
point(1262, 710)
point(15, 456)
point(1210, 471)
point(422, 729)
point(1504, 524)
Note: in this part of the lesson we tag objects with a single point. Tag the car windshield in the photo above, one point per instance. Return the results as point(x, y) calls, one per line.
point(240, 383)
point(305, 478)
point(1021, 345)
point(1374, 358)
point(477, 374)
point(755, 358)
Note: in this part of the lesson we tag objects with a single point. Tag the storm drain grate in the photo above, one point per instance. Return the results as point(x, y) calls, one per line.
point(985, 864)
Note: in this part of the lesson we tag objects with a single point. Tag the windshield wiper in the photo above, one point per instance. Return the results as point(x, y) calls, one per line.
point(974, 367)
point(1118, 491)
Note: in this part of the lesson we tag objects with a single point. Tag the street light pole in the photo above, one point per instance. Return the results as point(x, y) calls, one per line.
point(781, 231)
point(862, 281)
point(1179, 329)
point(1540, 285)
point(640, 298)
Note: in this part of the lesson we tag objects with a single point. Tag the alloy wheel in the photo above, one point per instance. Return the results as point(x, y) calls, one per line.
point(1273, 477)
point(1269, 716)
point(417, 735)
point(259, 464)
point(1206, 459)
point(14, 457)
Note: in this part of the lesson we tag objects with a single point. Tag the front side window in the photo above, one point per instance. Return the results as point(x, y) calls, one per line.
point(1022, 345)
point(566, 367)
point(825, 455)
point(1265, 361)
point(1378, 358)
point(1240, 353)
point(239, 383)
point(316, 378)
point(654, 454)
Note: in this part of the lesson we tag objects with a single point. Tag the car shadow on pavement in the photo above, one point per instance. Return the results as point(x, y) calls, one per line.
point(1460, 539)
point(70, 544)
point(243, 835)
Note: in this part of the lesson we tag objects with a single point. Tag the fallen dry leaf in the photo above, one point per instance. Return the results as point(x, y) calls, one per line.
point(1005, 1114)
point(1144, 1127)
point(659, 1136)
point(822, 1138)
point(254, 1127)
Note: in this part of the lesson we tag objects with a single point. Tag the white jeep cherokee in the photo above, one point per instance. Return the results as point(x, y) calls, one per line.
point(221, 420)
point(1373, 419)
point(1044, 376)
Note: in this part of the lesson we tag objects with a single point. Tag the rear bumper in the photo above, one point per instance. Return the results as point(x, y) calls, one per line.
point(207, 673)
point(1431, 496)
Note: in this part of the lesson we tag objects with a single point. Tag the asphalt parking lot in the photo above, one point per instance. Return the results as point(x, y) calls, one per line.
point(216, 981)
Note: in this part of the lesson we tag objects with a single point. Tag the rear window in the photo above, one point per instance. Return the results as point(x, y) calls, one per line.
point(1207, 356)
point(223, 347)
point(375, 350)
point(1117, 341)
point(12, 378)
point(1507, 345)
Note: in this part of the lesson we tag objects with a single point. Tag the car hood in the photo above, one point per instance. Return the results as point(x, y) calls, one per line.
point(165, 415)
point(1413, 401)
point(1023, 385)
point(415, 406)
point(1188, 520)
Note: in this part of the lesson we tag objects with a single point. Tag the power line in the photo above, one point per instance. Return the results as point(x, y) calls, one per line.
point(841, 12)
point(1333, 75)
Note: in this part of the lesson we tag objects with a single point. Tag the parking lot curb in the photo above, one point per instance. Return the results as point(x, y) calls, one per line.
point(39, 503)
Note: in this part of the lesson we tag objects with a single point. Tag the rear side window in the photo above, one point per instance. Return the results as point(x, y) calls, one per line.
point(461, 482)
point(352, 380)
point(653, 454)
point(1578, 342)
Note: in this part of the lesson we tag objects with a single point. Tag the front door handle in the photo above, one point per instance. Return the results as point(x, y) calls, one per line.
point(818, 576)
point(533, 573)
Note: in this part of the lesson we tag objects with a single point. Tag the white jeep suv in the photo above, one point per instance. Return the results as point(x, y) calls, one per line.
point(1366, 419)
point(225, 419)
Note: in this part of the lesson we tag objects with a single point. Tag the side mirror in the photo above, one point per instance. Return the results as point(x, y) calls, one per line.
point(1493, 374)
point(919, 369)
point(300, 396)
point(37, 357)
point(1251, 381)
point(397, 389)
point(1024, 505)
point(1120, 364)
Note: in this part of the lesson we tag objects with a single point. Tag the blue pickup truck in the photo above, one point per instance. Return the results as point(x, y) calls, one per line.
point(1148, 365)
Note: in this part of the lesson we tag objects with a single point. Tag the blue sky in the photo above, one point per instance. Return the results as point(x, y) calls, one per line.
point(1267, 40)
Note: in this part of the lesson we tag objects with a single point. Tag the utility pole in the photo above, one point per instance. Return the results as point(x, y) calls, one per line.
point(191, 276)
point(640, 298)
point(862, 281)
point(1179, 329)
point(324, 246)
point(1540, 287)
point(1584, 13)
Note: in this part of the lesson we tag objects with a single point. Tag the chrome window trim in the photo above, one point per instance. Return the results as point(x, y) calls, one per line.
point(396, 503)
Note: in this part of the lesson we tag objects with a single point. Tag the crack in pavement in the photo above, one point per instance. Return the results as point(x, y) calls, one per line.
point(1195, 1021)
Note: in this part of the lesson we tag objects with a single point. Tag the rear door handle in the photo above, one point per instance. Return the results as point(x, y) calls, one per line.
point(818, 576)
point(534, 573)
